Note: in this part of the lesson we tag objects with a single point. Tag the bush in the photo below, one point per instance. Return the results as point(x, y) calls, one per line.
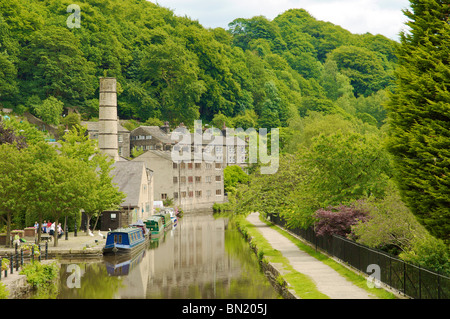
point(4, 293)
point(338, 220)
point(430, 253)
point(40, 275)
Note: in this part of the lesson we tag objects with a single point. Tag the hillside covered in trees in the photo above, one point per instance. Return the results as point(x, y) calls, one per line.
point(364, 119)
point(258, 73)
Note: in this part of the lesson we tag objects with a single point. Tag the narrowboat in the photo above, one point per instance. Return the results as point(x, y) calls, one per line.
point(166, 217)
point(124, 240)
point(140, 224)
point(155, 224)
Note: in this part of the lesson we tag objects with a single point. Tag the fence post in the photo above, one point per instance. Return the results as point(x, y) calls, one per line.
point(11, 264)
point(404, 278)
point(0, 268)
point(17, 261)
point(21, 257)
point(46, 250)
point(439, 286)
point(39, 253)
point(32, 253)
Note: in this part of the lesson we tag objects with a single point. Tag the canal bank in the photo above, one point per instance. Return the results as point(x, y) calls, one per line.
point(80, 247)
point(307, 276)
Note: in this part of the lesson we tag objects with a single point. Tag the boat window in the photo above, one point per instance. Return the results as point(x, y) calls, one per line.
point(120, 239)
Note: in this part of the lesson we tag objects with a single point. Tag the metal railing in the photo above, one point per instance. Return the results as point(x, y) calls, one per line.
point(412, 280)
point(15, 261)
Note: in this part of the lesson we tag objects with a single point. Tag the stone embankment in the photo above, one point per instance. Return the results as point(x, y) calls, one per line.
point(81, 247)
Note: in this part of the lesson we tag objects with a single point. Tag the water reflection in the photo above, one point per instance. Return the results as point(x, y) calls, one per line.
point(202, 257)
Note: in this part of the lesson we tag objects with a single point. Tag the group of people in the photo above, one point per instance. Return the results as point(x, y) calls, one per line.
point(49, 227)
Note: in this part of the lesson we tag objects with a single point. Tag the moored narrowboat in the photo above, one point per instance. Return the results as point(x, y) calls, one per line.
point(155, 224)
point(124, 240)
point(166, 217)
point(140, 224)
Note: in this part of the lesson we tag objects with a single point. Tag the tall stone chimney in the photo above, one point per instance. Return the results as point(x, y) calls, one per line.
point(107, 134)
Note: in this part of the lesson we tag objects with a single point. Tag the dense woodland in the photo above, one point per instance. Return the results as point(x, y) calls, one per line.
point(364, 120)
point(258, 72)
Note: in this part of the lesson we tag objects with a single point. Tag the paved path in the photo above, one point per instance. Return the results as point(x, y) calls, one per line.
point(327, 280)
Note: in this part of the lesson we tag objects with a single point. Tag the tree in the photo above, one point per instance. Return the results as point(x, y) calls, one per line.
point(419, 119)
point(232, 176)
point(13, 163)
point(102, 193)
point(174, 79)
point(270, 112)
point(8, 69)
point(363, 67)
point(50, 110)
point(55, 66)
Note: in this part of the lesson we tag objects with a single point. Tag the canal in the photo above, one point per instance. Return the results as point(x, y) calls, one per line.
point(203, 257)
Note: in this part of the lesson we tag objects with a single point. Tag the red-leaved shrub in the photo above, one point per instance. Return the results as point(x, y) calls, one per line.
point(338, 220)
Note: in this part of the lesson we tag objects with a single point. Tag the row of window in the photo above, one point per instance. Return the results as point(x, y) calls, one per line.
point(140, 137)
point(197, 165)
point(198, 179)
point(190, 194)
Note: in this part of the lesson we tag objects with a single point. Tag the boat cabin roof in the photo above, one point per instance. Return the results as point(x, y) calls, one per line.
point(125, 230)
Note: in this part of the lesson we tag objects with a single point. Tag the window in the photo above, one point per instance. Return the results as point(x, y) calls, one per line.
point(198, 193)
point(120, 138)
point(118, 239)
point(190, 165)
point(208, 179)
point(208, 165)
point(183, 194)
point(183, 165)
point(120, 150)
point(175, 165)
point(175, 195)
point(218, 192)
point(218, 178)
point(183, 179)
point(191, 194)
point(198, 179)
point(163, 196)
point(190, 179)
point(218, 165)
point(175, 179)
point(198, 165)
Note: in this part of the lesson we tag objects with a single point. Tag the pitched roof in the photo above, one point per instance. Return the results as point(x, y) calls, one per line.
point(155, 131)
point(128, 176)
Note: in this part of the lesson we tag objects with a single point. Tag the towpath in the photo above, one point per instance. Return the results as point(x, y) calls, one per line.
point(327, 280)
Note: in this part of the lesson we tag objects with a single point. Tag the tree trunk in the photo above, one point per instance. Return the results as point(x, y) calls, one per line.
point(8, 230)
point(95, 225)
point(39, 230)
point(55, 234)
point(88, 220)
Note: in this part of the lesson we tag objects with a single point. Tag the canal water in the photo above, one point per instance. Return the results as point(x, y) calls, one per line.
point(202, 257)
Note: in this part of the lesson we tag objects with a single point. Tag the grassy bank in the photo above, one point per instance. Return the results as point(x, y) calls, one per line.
point(303, 286)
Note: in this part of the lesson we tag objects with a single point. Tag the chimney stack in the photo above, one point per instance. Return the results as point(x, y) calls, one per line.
point(107, 135)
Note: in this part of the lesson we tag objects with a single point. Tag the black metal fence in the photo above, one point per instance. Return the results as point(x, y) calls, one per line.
point(15, 260)
point(413, 281)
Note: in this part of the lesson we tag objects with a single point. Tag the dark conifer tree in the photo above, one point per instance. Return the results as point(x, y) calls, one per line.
point(419, 115)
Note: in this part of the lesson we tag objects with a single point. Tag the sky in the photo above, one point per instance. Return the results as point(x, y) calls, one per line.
point(358, 16)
